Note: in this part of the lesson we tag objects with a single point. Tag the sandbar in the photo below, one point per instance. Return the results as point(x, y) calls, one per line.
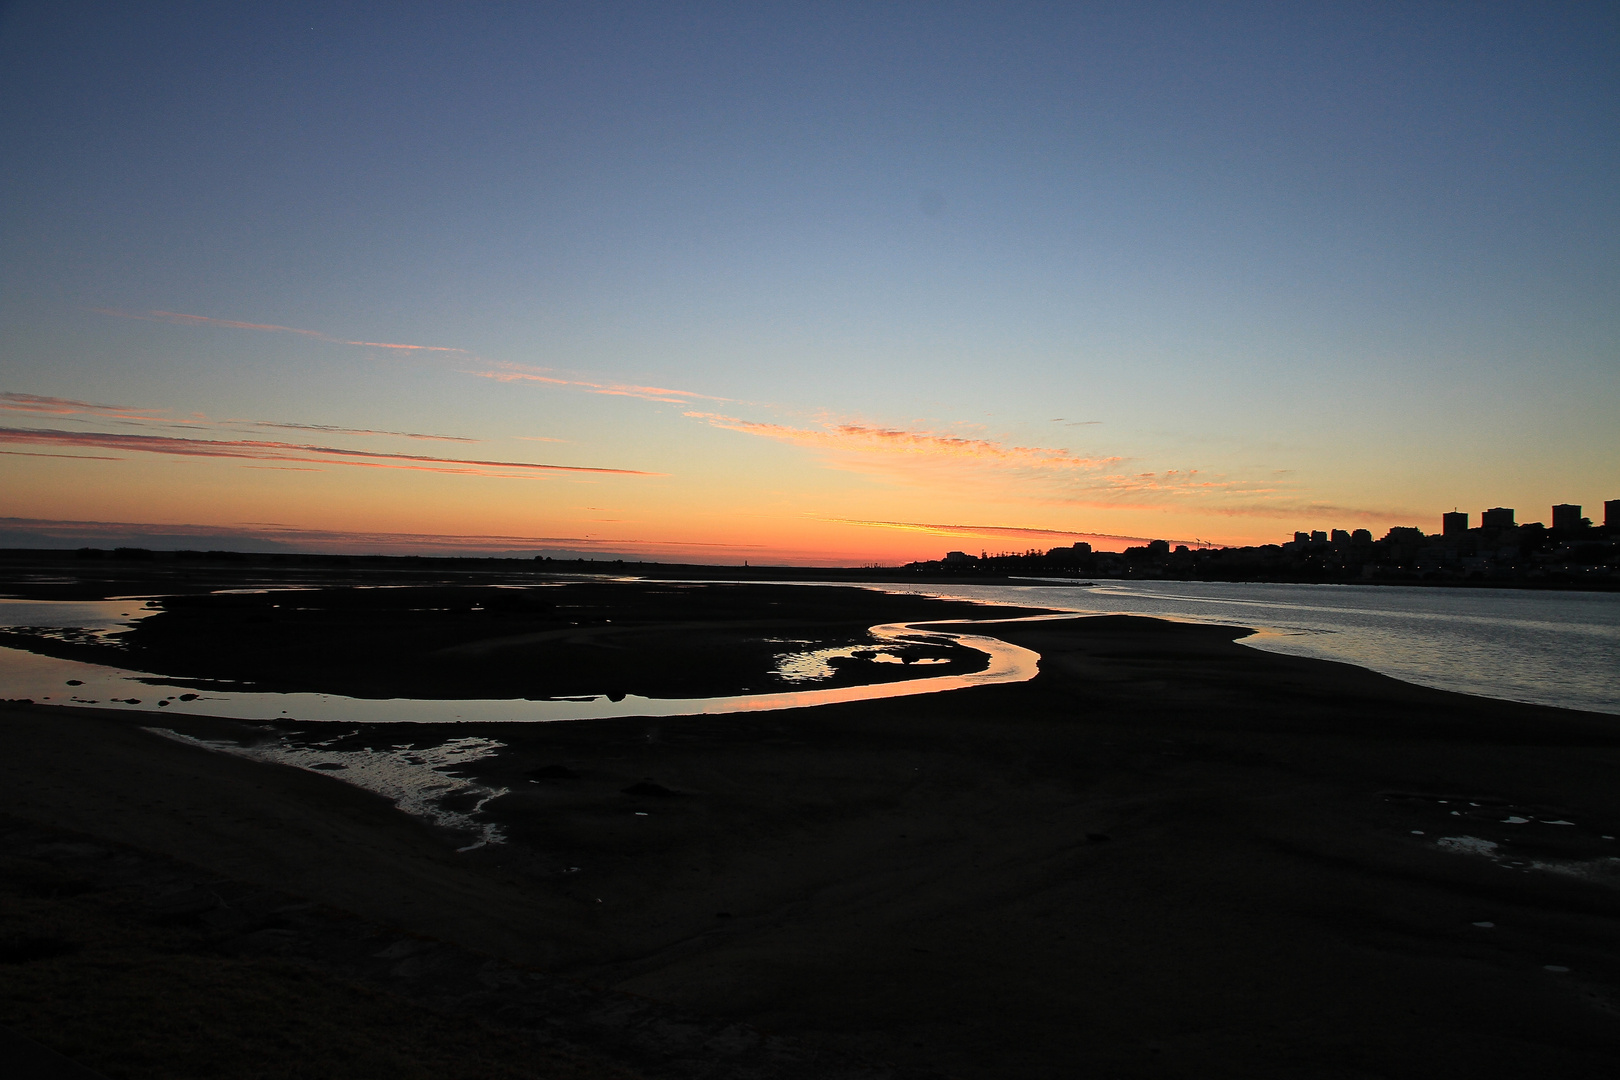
point(1167, 855)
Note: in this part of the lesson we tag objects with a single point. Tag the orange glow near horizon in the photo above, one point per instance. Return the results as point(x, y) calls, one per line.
point(632, 286)
point(642, 474)
point(830, 491)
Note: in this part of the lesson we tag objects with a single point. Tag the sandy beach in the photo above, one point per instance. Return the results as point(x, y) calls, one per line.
point(1167, 855)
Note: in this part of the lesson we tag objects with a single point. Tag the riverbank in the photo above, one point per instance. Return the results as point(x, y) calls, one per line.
point(556, 640)
point(89, 573)
point(1167, 855)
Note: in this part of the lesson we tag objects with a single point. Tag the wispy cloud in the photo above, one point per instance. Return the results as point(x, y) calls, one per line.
point(55, 406)
point(333, 429)
point(508, 372)
point(500, 370)
point(181, 319)
point(1148, 487)
point(280, 451)
point(38, 404)
point(1298, 509)
point(275, 536)
point(70, 457)
point(1037, 475)
point(395, 345)
point(1191, 491)
point(987, 531)
point(860, 439)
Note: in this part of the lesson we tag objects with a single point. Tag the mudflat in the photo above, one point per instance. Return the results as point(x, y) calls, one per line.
point(560, 639)
point(1167, 855)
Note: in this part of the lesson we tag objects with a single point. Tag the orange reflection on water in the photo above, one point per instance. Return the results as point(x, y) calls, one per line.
point(45, 678)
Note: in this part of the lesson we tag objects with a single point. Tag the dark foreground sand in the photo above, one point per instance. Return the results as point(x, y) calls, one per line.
point(1167, 856)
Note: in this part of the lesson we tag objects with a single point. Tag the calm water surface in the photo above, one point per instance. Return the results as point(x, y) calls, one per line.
point(423, 777)
point(1549, 648)
point(46, 679)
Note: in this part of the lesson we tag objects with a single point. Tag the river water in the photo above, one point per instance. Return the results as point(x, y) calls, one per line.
point(57, 681)
point(1552, 648)
point(1545, 647)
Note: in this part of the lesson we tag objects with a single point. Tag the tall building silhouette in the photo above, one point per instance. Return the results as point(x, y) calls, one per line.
point(1497, 517)
point(1611, 514)
point(1566, 516)
point(1454, 523)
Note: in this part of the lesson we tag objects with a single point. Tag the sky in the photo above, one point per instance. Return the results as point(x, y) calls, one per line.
point(819, 284)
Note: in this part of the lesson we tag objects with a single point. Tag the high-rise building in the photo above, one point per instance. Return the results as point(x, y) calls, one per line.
point(1340, 536)
point(1318, 536)
point(1497, 517)
point(1566, 516)
point(1454, 523)
point(1302, 538)
point(1611, 514)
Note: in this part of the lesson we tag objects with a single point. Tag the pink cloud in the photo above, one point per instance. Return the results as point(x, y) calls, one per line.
point(1045, 475)
point(276, 535)
point(386, 345)
point(867, 439)
point(55, 406)
point(70, 457)
point(501, 371)
point(997, 530)
point(204, 320)
point(333, 429)
point(67, 407)
point(1299, 508)
point(1189, 491)
point(280, 451)
point(507, 372)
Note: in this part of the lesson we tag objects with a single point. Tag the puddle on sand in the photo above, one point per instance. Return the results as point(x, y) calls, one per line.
point(815, 665)
point(413, 779)
point(1604, 870)
point(1517, 837)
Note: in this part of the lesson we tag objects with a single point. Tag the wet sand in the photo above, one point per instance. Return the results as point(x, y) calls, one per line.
point(554, 639)
point(1165, 856)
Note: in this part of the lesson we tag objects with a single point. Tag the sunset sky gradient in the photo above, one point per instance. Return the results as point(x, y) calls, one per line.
point(822, 283)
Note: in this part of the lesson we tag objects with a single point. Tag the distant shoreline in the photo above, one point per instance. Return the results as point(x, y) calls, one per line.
point(173, 567)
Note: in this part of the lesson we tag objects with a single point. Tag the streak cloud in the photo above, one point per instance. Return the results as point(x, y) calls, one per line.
point(281, 451)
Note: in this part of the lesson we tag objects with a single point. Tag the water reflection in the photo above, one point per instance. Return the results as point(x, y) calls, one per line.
point(415, 779)
point(48, 679)
point(1544, 647)
point(816, 665)
point(1550, 648)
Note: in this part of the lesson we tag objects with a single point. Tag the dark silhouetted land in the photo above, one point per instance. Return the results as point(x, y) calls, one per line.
point(1166, 856)
point(653, 639)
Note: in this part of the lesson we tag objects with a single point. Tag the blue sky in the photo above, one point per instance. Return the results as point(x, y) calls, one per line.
point(1341, 264)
